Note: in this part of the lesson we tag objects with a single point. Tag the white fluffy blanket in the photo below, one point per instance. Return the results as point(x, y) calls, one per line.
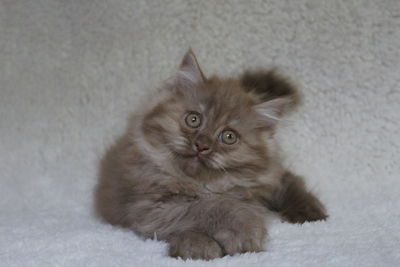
point(70, 72)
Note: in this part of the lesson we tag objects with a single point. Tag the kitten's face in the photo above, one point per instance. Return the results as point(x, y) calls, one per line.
point(208, 128)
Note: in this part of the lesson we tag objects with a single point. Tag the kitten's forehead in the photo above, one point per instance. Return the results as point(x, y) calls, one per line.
point(223, 101)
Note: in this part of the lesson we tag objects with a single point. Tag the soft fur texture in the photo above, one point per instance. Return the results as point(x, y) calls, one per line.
point(71, 71)
point(204, 185)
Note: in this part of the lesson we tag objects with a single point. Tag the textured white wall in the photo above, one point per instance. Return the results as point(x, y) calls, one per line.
point(70, 72)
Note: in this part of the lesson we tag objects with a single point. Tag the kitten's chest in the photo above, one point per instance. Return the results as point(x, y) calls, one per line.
point(232, 183)
point(226, 184)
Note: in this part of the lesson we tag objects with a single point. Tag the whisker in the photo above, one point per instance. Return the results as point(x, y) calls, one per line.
point(219, 166)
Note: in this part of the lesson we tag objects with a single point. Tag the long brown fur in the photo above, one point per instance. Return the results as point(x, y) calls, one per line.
point(188, 186)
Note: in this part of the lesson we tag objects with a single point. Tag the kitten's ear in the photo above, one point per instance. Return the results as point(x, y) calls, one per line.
point(271, 112)
point(189, 74)
point(269, 85)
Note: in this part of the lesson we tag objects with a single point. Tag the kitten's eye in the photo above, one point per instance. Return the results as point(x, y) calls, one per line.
point(193, 120)
point(229, 137)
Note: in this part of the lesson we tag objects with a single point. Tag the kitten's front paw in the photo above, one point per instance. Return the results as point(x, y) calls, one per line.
point(307, 212)
point(240, 242)
point(193, 245)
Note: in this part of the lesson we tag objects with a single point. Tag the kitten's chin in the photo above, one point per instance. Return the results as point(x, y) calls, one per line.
point(191, 166)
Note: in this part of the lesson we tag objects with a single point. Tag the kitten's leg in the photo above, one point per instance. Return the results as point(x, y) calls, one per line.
point(237, 226)
point(295, 203)
point(223, 226)
point(235, 239)
point(193, 245)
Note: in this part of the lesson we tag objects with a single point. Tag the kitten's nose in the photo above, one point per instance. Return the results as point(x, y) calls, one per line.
point(202, 144)
point(201, 147)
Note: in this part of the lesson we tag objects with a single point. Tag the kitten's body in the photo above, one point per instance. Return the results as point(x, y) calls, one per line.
point(189, 186)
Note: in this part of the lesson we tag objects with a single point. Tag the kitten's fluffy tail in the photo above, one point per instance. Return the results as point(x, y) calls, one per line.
point(269, 85)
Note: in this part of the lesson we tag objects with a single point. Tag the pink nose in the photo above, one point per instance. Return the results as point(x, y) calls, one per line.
point(201, 146)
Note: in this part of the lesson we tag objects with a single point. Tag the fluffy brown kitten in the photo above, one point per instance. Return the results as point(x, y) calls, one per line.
point(198, 166)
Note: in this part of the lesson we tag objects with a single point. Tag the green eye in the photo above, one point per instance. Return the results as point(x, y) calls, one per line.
point(193, 120)
point(229, 137)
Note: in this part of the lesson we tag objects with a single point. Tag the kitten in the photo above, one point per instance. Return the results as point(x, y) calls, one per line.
point(198, 168)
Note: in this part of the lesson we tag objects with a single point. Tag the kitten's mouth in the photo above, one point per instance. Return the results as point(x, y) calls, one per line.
point(193, 155)
point(191, 164)
point(197, 158)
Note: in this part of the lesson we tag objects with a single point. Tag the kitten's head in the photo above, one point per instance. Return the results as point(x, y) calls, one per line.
point(206, 127)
